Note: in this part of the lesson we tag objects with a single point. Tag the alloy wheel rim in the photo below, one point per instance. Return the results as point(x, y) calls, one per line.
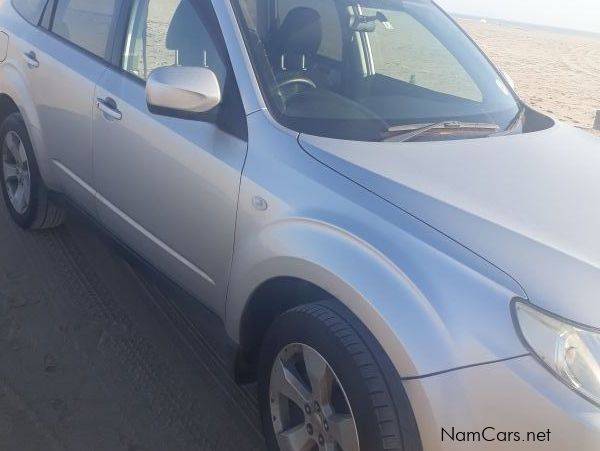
point(309, 407)
point(17, 176)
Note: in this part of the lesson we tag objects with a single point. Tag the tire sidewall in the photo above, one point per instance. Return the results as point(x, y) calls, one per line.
point(15, 123)
point(294, 327)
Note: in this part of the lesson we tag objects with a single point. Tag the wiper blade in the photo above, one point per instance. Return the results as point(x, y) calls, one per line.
point(403, 133)
point(516, 124)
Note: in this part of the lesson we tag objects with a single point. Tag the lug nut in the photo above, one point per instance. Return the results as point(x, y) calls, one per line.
point(307, 409)
point(326, 426)
point(309, 429)
point(317, 407)
point(321, 440)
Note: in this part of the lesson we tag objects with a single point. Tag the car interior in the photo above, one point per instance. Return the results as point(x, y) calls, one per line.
point(198, 52)
point(87, 26)
point(318, 52)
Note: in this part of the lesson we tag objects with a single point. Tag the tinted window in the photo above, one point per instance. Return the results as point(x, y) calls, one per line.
point(403, 64)
point(394, 49)
point(331, 43)
point(250, 8)
point(177, 33)
point(47, 15)
point(86, 23)
point(30, 9)
point(168, 33)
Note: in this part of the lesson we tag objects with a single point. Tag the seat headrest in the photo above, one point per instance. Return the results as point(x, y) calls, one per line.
point(185, 20)
point(301, 32)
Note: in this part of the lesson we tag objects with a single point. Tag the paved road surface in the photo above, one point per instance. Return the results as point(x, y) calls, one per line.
point(96, 354)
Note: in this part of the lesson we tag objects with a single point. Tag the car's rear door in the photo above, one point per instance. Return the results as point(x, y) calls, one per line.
point(19, 21)
point(67, 57)
point(168, 185)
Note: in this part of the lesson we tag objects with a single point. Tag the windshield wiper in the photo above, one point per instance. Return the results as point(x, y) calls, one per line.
point(516, 125)
point(403, 133)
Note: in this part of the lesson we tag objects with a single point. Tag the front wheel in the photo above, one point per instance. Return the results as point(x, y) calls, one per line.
point(326, 385)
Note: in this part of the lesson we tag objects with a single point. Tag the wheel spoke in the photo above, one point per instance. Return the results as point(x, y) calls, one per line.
point(18, 200)
point(327, 424)
point(13, 143)
point(320, 376)
point(26, 192)
point(22, 155)
point(10, 171)
point(286, 383)
point(295, 439)
point(343, 430)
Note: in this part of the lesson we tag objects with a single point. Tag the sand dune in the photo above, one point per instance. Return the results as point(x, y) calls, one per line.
point(557, 73)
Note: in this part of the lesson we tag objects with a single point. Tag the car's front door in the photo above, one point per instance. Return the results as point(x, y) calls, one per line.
point(66, 58)
point(166, 185)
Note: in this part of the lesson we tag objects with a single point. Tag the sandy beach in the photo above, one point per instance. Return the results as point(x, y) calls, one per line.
point(555, 72)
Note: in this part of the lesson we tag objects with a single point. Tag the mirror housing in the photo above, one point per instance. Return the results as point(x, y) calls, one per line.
point(183, 89)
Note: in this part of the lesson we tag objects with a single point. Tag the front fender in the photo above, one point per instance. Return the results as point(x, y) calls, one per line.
point(423, 327)
point(432, 304)
point(367, 283)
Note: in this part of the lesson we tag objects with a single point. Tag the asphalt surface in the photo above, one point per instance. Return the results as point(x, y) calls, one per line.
point(97, 353)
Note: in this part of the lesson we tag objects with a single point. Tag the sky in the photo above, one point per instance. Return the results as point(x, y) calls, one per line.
point(573, 14)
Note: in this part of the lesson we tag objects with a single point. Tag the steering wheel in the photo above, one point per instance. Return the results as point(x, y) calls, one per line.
point(298, 80)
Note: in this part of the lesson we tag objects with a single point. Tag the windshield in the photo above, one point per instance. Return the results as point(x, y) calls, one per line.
point(360, 70)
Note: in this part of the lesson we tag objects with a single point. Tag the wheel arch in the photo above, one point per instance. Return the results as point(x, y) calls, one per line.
point(265, 283)
point(269, 300)
point(15, 93)
point(7, 107)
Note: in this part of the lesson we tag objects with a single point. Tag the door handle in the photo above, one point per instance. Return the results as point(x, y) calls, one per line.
point(31, 59)
point(109, 107)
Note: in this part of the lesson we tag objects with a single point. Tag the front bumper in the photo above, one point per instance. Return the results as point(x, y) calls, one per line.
point(512, 405)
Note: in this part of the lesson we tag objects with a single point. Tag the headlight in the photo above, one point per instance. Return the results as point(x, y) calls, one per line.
point(570, 351)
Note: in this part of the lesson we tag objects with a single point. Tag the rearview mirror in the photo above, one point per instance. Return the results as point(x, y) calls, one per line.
point(183, 89)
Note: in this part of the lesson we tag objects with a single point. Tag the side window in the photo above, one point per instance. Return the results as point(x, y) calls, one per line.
point(46, 20)
point(331, 44)
point(86, 23)
point(175, 33)
point(250, 11)
point(31, 10)
point(168, 33)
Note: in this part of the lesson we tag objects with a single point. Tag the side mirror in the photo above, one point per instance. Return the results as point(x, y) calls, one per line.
point(183, 89)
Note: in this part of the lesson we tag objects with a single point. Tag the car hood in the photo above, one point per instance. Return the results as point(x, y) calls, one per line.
point(529, 204)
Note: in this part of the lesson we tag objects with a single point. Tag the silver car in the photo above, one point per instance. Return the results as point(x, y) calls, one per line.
point(405, 255)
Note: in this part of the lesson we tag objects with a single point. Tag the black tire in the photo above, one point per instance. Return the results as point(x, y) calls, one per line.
point(382, 411)
point(41, 212)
